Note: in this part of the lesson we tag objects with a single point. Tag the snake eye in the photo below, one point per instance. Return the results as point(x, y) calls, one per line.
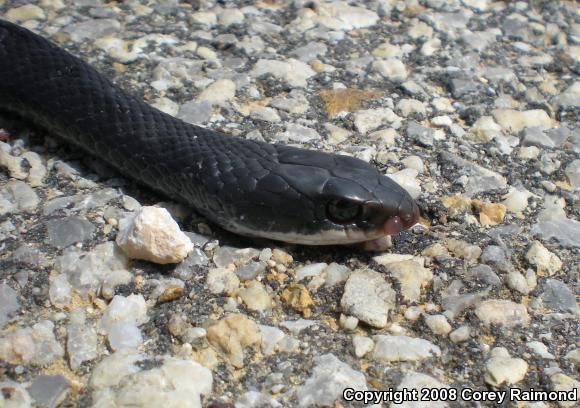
point(342, 211)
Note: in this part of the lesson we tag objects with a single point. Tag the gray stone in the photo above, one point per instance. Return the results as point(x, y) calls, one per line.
point(462, 86)
point(564, 230)
point(27, 255)
point(495, 256)
point(18, 197)
point(8, 303)
point(251, 270)
point(49, 390)
point(485, 275)
point(557, 296)
point(190, 265)
point(535, 136)
point(92, 29)
point(570, 98)
point(63, 232)
point(330, 377)
point(310, 51)
point(195, 112)
point(420, 134)
point(297, 133)
point(480, 178)
point(403, 348)
point(81, 342)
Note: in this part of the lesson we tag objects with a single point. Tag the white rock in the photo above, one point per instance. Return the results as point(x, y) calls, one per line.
point(293, 71)
point(370, 119)
point(368, 297)
point(385, 137)
point(545, 261)
point(231, 16)
point(420, 30)
point(562, 382)
point(219, 92)
point(271, 336)
point(412, 276)
point(24, 13)
point(330, 377)
point(503, 313)
point(87, 271)
point(408, 107)
point(207, 54)
point(528, 152)
point(430, 47)
point(348, 322)
point(413, 313)
point(255, 399)
point(517, 282)
point(336, 134)
point(442, 121)
point(124, 336)
point(442, 105)
point(166, 105)
point(266, 114)
point(35, 345)
point(392, 69)
point(341, 16)
point(407, 178)
point(460, 334)
point(119, 381)
point(306, 271)
point(403, 348)
point(124, 310)
point(298, 133)
point(514, 121)
point(60, 291)
point(516, 201)
point(540, 349)
point(419, 381)
point(484, 130)
point(438, 324)
point(12, 163)
point(296, 326)
point(37, 170)
point(335, 274)
point(152, 235)
point(14, 395)
point(207, 18)
point(82, 340)
point(501, 368)
point(388, 50)
point(222, 281)
point(255, 296)
point(362, 345)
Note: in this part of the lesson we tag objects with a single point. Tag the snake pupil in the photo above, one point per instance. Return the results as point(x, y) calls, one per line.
point(343, 210)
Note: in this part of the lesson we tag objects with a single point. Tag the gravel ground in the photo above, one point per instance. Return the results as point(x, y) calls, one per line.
point(472, 105)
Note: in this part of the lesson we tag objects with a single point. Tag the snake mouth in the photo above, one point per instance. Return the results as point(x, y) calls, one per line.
point(407, 217)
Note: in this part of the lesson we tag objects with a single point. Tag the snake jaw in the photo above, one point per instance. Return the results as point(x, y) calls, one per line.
point(393, 226)
point(407, 216)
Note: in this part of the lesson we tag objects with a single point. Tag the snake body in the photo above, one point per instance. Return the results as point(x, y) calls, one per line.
point(248, 187)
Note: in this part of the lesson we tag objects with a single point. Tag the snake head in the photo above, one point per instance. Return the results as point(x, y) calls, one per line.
point(369, 206)
point(314, 198)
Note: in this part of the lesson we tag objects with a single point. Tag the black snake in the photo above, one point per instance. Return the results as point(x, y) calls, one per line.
point(248, 187)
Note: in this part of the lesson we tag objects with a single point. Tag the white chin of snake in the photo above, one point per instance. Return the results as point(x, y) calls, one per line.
point(328, 237)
